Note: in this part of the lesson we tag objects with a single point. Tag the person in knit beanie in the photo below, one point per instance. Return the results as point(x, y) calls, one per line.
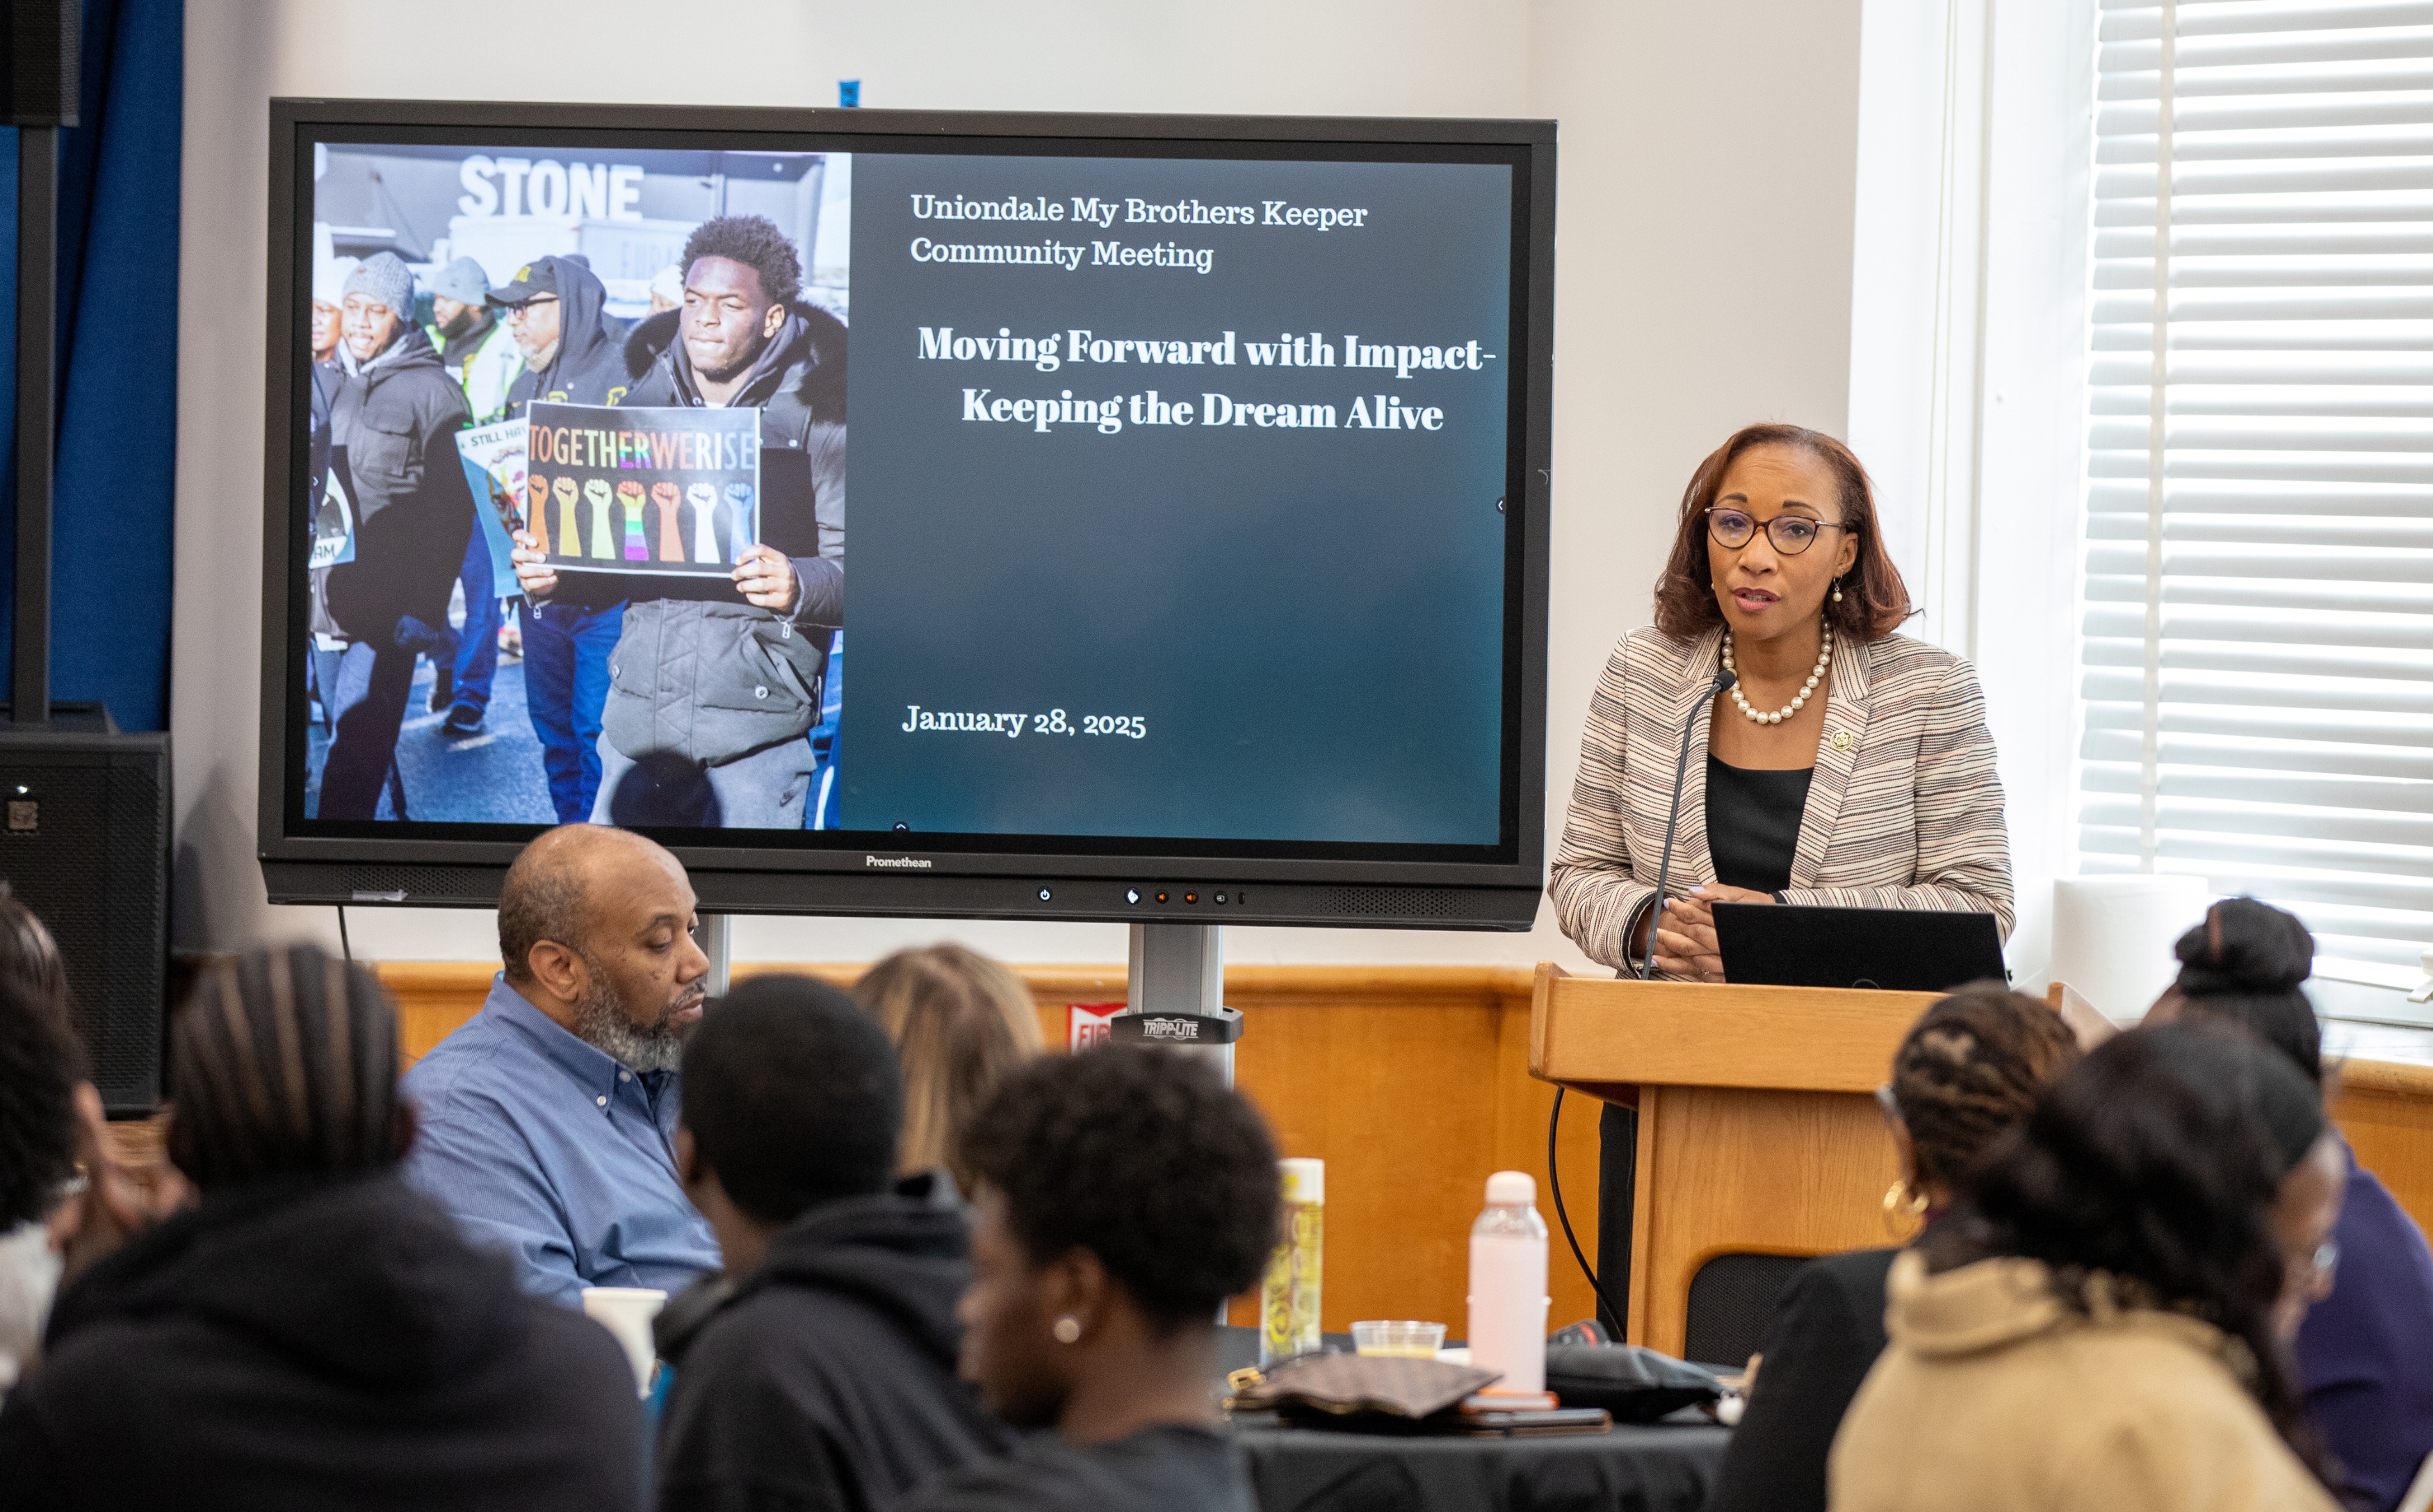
point(386, 281)
point(392, 421)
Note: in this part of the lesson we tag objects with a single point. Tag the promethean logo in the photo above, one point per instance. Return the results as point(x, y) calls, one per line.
point(1169, 1029)
point(910, 863)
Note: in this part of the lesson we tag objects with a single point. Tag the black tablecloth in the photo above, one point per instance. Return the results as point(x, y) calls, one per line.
point(1661, 1467)
point(1658, 1467)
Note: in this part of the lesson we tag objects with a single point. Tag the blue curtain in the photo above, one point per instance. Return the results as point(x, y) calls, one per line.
point(111, 532)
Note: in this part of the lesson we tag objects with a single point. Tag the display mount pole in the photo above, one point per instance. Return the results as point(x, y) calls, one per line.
point(1174, 993)
point(718, 943)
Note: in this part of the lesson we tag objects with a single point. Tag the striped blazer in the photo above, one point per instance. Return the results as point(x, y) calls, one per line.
point(1904, 811)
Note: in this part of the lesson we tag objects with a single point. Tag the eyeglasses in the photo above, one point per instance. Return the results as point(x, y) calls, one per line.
point(516, 311)
point(1790, 534)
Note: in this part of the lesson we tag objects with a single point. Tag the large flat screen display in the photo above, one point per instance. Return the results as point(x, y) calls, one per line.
point(1196, 526)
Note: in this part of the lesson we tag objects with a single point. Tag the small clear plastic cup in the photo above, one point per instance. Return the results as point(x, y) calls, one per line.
point(1407, 1338)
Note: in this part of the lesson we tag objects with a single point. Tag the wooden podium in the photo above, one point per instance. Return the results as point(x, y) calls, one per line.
point(1758, 1131)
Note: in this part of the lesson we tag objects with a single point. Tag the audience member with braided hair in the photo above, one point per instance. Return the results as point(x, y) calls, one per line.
point(2102, 1321)
point(310, 1334)
point(2365, 1352)
point(1969, 1072)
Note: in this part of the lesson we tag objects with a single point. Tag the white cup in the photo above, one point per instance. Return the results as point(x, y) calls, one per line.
point(626, 1312)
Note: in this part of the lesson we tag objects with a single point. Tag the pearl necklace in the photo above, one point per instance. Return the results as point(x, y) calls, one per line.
point(1824, 660)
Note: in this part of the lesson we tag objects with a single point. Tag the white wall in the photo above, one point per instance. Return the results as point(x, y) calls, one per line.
point(1703, 280)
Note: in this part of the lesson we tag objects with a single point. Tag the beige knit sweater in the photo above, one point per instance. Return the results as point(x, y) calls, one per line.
point(1995, 1396)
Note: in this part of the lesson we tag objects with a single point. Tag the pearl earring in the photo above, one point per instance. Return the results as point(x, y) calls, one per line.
point(1837, 592)
point(1068, 1331)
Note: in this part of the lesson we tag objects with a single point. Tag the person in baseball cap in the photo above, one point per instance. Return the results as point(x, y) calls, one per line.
point(573, 355)
point(461, 282)
point(532, 280)
point(574, 349)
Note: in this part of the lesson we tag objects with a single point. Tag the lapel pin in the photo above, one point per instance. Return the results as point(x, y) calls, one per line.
point(1842, 740)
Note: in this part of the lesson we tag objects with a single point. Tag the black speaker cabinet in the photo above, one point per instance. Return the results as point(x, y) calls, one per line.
point(84, 842)
point(40, 77)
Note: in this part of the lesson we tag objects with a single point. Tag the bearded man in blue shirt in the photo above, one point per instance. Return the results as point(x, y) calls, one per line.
point(547, 1124)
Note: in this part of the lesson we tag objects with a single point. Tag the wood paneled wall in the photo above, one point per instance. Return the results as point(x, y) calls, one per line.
point(1412, 1083)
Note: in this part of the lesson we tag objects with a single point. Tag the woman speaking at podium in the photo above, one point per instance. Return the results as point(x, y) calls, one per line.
point(1847, 766)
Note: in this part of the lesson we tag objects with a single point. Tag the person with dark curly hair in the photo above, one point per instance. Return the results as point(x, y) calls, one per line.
point(757, 646)
point(1124, 1194)
point(1967, 1074)
point(2105, 1323)
point(2365, 1352)
point(311, 1333)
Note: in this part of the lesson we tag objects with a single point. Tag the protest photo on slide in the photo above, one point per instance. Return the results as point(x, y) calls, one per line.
point(638, 357)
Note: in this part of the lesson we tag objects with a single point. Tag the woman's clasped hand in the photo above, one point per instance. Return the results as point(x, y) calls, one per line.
point(1685, 932)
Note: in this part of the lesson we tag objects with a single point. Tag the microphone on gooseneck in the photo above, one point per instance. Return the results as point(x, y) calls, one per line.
point(1722, 684)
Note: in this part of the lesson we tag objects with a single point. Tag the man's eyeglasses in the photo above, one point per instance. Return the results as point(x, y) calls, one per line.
point(516, 311)
point(1790, 534)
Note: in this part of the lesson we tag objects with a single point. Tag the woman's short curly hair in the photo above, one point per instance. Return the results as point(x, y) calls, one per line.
point(1874, 598)
point(1143, 1157)
point(755, 241)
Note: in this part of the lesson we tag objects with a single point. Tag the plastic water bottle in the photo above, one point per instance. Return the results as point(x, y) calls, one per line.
point(1508, 1284)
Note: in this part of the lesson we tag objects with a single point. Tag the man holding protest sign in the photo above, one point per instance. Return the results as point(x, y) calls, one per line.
point(718, 677)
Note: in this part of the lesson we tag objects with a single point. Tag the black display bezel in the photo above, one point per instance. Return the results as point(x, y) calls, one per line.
point(312, 860)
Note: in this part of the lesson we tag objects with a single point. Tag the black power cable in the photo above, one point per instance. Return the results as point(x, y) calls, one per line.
point(1554, 1185)
point(347, 951)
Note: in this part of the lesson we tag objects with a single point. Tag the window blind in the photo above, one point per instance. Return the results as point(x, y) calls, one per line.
point(2257, 646)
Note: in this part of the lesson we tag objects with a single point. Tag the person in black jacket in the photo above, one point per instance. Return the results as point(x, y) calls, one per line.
point(717, 684)
point(1124, 1194)
point(311, 1335)
point(1970, 1069)
point(393, 433)
point(819, 1372)
point(573, 355)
